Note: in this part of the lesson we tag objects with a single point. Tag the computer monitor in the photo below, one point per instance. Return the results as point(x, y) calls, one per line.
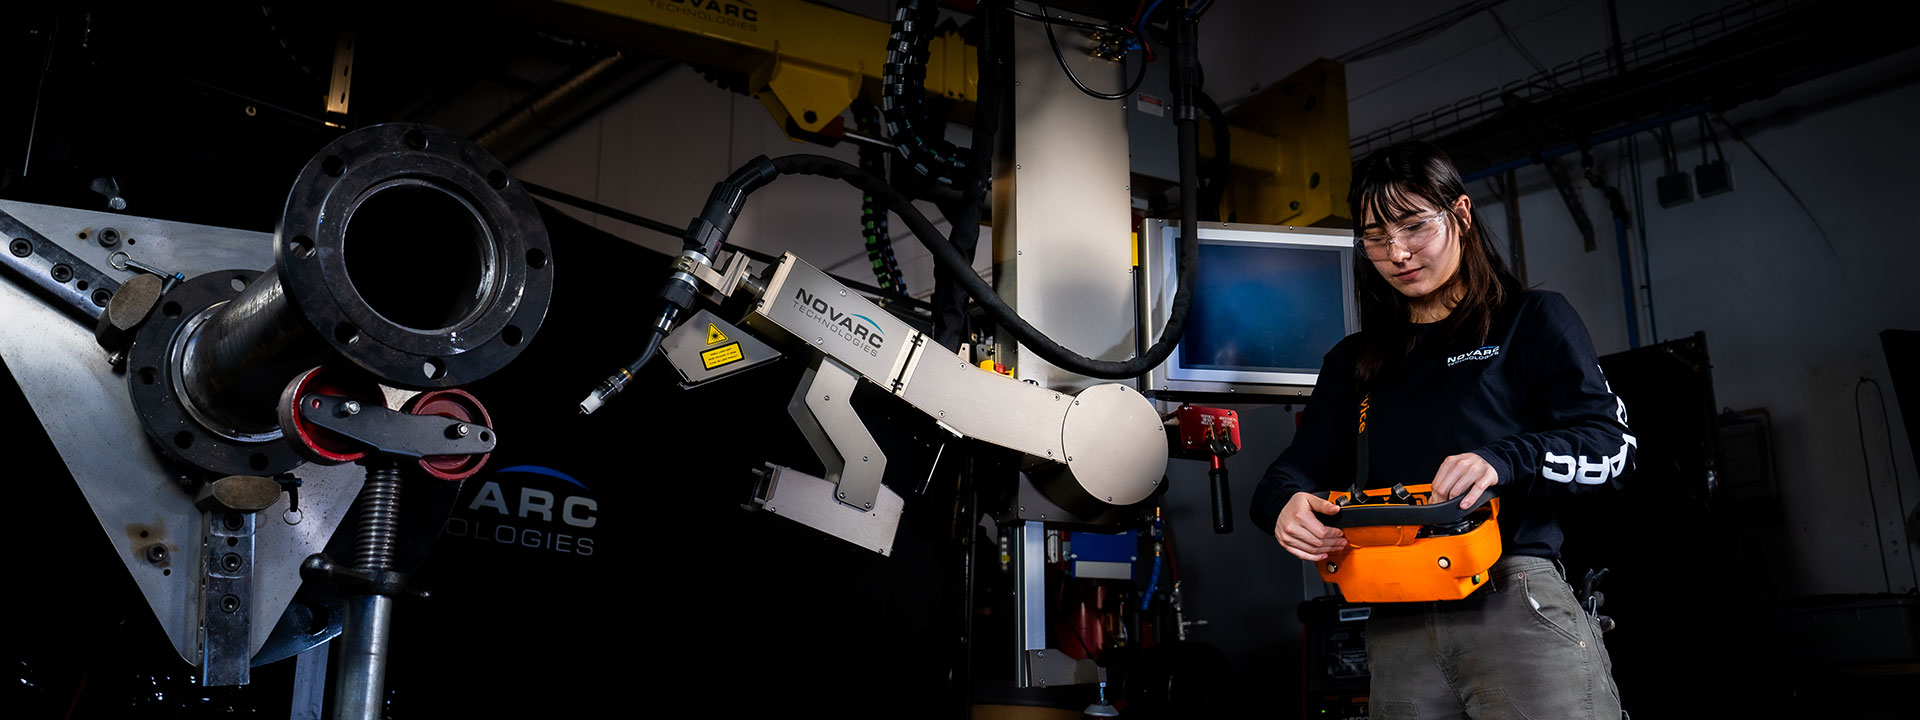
point(1268, 303)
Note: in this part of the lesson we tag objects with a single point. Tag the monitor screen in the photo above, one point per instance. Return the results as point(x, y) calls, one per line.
point(1268, 303)
point(1264, 307)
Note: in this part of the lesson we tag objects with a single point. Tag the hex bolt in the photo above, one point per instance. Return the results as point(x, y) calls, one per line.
point(458, 430)
point(230, 603)
point(350, 407)
point(230, 562)
point(156, 553)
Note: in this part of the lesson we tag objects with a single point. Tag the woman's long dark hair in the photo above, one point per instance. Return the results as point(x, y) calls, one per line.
point(1390, 184)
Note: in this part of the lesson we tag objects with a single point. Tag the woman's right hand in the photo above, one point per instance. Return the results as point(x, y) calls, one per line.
point(1302, 533)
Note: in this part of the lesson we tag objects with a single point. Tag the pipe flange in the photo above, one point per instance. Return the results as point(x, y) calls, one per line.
point(416, 255)
point(154, 382)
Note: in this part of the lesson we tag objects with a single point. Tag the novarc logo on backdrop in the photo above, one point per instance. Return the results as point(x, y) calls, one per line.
point(510, 511)
point(731, 13)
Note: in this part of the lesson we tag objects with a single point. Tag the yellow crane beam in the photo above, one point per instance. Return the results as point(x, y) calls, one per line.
point(807, 63)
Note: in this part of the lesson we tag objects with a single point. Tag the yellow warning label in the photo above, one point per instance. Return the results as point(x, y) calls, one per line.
point(721, 355)
point(714, 336)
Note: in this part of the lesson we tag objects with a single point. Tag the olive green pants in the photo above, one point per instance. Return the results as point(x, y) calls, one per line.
point(1520, 647)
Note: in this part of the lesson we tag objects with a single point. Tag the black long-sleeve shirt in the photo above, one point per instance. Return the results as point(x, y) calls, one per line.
point(1530, 400)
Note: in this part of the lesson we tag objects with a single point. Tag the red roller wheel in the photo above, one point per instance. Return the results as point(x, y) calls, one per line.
point(456, 405)
point(318, 444)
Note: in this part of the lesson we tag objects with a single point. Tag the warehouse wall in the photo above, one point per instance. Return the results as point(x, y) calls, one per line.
point(1792, 323)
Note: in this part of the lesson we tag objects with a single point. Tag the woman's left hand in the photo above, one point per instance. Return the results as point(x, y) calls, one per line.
point(1463, 476)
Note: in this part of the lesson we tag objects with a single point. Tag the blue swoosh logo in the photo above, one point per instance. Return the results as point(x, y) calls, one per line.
point(876, 326)
point(537, 470)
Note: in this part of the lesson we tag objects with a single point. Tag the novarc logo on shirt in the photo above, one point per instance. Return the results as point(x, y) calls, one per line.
point(1485, 353)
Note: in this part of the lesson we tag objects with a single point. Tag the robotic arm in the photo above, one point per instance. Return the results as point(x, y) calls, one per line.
point(1102, 448)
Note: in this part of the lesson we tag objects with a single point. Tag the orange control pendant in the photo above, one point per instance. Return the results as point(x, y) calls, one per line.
point(1402, 550)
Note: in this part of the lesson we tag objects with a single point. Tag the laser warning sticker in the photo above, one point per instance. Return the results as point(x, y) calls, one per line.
point(715, 337)
point(723, 355)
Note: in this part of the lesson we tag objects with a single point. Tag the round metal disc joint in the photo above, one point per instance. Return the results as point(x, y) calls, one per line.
point(411, 253)
point(157, 386)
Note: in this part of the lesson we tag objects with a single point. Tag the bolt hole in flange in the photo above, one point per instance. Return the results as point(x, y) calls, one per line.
point(301, 246)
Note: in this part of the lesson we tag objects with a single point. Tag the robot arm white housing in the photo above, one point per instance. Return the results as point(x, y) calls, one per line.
point(1102, 448)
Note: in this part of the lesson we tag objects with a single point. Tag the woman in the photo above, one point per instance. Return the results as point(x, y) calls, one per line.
point(1476, 385)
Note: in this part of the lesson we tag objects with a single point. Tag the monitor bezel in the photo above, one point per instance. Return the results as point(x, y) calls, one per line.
point(1159, 281)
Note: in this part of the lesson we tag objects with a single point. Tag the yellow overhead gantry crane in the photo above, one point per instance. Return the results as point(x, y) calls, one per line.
point(807, 63)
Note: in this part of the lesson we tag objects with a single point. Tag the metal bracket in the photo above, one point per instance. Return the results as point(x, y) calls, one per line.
point(1046, 668)
point(226, 599)
point(82, 290)
point(400, 434)
point(823, 409)
point(807, 500)
point(705, 348)
point(723, 282)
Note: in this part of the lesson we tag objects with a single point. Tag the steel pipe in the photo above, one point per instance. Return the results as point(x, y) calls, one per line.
point(403, 249)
